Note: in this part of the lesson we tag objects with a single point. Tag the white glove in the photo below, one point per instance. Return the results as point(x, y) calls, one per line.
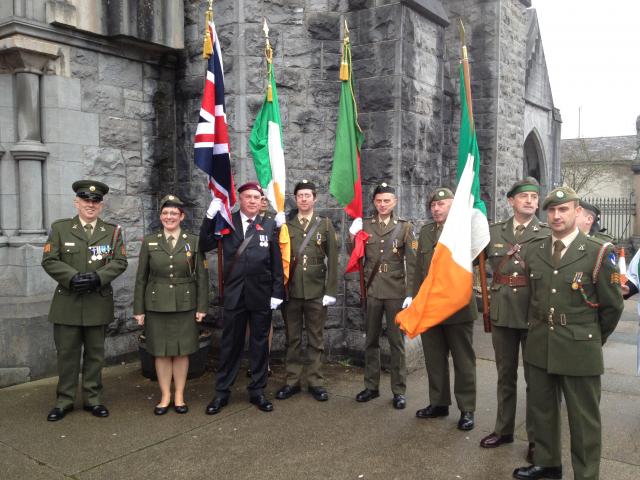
point(356, 226)
point(275, 303)
point(407, 302)
point(214, 207)
point(327, 301)
point(280, 219)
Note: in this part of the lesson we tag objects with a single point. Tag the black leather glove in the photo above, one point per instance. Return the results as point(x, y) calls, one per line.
point(85, 282)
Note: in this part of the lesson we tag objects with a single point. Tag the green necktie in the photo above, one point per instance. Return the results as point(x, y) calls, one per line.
point(558, 247)
point(171, 241)
point(519, 232)
point(88, 228)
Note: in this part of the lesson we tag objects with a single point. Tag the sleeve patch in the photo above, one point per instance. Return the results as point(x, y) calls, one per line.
point(47, 247)
point(123, 251)
point(615, 278)
point(205, 263)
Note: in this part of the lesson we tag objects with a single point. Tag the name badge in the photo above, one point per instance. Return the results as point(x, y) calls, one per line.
point(153, 244)
point(69, 244)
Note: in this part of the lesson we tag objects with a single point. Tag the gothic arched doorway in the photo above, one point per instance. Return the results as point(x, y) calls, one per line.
point(533, 165)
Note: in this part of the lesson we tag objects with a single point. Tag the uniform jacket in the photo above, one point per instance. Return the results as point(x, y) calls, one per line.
point(257, 275)
point(171, 280)
point(314, 277)
point(566, 334)
point(426, 246)
point(68, 252)
point(395, 275)
point(509, 303)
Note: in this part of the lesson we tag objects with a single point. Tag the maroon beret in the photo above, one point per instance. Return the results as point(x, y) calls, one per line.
point(251, 186)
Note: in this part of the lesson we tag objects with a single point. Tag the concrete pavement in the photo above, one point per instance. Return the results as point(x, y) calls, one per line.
point(338, 439)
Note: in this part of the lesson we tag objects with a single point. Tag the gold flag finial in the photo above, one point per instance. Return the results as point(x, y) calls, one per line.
point(344, 65)
point(462, 38)
point(207, 47)
point(268, 53)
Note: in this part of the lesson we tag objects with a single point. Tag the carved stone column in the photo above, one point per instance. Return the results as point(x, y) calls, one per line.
point(28, 60)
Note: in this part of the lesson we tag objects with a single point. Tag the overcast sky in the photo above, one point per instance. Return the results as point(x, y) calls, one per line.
point(593, 56)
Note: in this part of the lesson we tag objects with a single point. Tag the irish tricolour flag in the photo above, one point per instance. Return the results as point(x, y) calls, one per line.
point(265, 143)
point(449, 283)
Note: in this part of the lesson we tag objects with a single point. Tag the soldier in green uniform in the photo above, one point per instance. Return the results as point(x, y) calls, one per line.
point(83, 255)
point(588, 220)
point(575, 304)
point(454, 335)
point(171, 295)
point(509, 303)
point(313, 279)
point(388, 271)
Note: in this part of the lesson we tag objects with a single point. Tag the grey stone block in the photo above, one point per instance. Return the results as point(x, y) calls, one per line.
point(14, 376)
point(106, 164)
point(60, 92)
point(69, 126)
point(101, 98)
point(119, 71)
point(119, 132)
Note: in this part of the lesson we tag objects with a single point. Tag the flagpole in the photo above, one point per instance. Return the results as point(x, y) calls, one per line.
point(482, 259)
point(345, 74)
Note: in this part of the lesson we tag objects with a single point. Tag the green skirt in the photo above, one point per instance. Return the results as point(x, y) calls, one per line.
point(171, 334)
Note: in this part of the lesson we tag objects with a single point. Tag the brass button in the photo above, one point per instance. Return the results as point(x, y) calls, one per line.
point(531, 275)
point(382, 240)
point(171, 275)
point(304, 268)
point(170, 256)
point(550, 328)
point(551, 310)
point(515, 274)
point(170, 286)
point(515, 290)
point(89, 261)
point(304, 234)
point(170, 266)
point(590, 336)
point(555, 272)
point(553, 290)
point(381, 251)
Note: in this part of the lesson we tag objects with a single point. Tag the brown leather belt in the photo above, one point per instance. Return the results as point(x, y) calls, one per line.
point(511, 280)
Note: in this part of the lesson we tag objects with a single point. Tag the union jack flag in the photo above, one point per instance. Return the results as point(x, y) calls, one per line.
point(211, 144)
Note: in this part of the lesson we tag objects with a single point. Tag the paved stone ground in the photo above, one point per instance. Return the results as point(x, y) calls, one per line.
point(339, 439)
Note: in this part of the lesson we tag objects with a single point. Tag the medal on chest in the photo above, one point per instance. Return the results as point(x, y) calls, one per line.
point(264, 240)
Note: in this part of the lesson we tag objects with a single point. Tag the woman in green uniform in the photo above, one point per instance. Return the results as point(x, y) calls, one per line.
point(171, 295)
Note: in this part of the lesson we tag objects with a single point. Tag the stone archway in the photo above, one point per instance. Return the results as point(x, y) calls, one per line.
point(534, 161)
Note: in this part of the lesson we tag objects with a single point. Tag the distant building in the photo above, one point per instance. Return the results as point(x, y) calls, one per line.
point(599, 167)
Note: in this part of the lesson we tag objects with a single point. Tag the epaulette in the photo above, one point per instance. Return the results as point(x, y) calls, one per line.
point(599, 241)
point(61, 220)
point(499, 222)
point(543, 224)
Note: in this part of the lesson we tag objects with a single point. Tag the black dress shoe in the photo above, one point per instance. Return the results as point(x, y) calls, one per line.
point(433, 411)
point(287, 391)
point(58, 413)
point(181, 408)
point(466, 421)
point(494, 440)
point(262, 403)
point(216, 405)
point(530, 452)
point(366, 395)
point(319, 393)
point(399, 401)
point(99, 411)
point(534, 471)
point(160, 410)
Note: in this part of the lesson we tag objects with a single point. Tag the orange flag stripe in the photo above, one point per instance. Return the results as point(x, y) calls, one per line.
point(436, 301)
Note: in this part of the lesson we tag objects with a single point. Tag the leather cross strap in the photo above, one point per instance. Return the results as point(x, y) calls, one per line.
point(243, 246)
point(374, 272)
point(303, 245)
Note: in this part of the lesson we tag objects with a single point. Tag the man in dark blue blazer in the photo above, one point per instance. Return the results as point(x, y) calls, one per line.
point(253, 286)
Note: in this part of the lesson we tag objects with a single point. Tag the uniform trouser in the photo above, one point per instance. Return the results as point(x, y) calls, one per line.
point(437, 342)
point(376, 308)
point(507, 342)
point(313, 315)
point(582, 396)
point(73, 342)
point(232, 345)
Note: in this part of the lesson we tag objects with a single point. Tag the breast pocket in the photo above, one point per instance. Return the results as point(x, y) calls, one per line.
point(576, 293)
